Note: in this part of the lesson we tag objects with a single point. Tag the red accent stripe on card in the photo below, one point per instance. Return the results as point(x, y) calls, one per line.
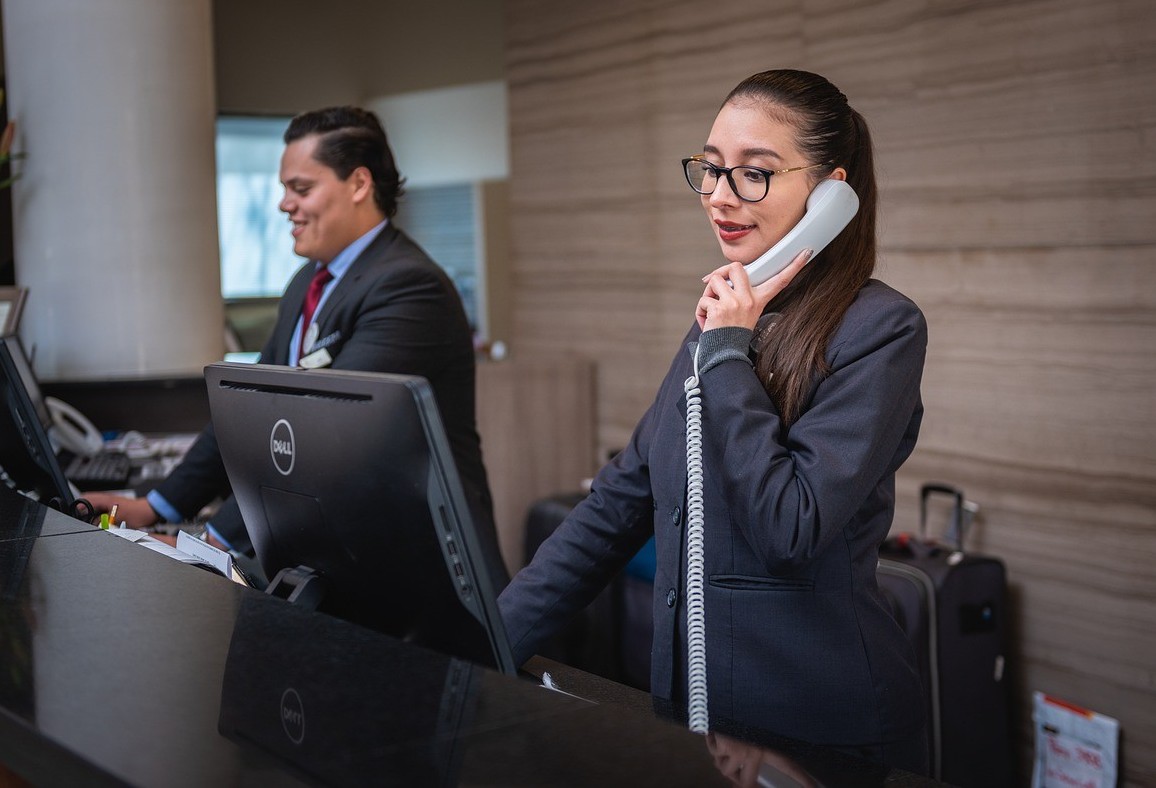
point(1065, 705)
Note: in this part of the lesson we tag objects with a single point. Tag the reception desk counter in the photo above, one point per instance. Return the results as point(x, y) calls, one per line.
point(123, 667)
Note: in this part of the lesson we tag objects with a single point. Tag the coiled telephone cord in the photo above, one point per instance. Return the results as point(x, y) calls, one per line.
point(698, 718)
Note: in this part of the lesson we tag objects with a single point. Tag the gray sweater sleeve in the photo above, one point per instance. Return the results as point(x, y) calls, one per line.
point(723, 344)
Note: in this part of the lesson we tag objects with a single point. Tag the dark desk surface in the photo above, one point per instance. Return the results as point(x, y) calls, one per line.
point(121, 666)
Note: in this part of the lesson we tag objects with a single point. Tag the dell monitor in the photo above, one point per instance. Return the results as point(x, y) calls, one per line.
point(346, 483)
point(28, 460)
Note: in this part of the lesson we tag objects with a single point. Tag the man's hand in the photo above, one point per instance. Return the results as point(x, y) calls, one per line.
point(133, 512)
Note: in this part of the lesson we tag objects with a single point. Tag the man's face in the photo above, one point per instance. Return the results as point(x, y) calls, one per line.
point(322, 207)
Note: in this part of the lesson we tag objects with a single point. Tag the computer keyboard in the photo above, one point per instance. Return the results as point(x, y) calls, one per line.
point(106, 471)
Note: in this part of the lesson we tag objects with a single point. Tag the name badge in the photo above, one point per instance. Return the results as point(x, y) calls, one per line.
point(316, 360)
point(326, 341)
point(311, 337)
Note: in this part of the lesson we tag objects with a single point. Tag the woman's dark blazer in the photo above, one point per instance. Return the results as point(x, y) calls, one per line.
point(799, 640)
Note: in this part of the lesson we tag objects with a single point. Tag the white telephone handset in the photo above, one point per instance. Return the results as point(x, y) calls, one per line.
point(830, 207)
point(71, 430)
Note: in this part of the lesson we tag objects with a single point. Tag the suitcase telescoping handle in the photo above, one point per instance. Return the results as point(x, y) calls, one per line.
point(955, 532)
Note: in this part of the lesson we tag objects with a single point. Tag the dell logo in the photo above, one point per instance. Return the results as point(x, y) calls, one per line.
point(293, 716)
point(281, 447)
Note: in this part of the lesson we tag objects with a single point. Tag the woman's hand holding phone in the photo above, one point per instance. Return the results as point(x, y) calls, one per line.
point(729, 298)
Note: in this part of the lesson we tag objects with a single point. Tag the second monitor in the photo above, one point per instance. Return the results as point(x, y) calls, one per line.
point(27, 457)
point(346, 480)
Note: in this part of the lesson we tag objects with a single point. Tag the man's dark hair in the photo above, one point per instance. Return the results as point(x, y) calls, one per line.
point(351, 137)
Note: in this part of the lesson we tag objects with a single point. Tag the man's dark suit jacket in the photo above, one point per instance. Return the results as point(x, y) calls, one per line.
point(394, 310)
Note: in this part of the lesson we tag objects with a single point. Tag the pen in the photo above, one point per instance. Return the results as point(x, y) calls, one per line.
point(112, 515)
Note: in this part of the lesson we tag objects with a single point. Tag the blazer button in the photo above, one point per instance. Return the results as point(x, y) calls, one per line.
point(671, 597)
point(676, 516)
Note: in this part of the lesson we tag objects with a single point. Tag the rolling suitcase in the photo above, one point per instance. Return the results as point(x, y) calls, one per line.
point(953, 607)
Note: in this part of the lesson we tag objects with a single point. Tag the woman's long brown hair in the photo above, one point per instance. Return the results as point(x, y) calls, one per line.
point(792, 353)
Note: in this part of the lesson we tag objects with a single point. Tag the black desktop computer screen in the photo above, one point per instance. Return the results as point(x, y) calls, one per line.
point(346, 479)
point(27, 457)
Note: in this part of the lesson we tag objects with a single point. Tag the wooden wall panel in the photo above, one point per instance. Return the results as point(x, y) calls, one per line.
point(536, 419)
point(1015, 146)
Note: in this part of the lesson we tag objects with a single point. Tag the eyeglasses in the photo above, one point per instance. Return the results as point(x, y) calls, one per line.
point(750, 185)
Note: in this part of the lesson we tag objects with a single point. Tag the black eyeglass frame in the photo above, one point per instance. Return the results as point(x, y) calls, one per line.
point(717, 170)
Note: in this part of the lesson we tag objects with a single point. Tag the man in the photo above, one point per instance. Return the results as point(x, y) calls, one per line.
point(386, 307)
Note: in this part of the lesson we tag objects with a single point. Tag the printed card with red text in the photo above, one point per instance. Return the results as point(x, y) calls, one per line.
point(1075, 748)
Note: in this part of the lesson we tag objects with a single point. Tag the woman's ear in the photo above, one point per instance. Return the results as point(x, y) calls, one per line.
point(839, 174)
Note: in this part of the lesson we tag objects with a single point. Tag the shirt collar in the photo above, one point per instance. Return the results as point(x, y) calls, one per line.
point(345, 258)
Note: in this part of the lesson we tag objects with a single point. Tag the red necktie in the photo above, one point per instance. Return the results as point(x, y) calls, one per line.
point(316, 286)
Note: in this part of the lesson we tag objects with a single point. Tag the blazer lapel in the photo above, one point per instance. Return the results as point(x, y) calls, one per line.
point(348, 283)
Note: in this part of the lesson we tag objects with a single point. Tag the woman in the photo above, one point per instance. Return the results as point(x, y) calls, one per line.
point(810, 402)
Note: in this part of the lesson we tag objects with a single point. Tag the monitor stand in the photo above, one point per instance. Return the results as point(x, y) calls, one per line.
point(299, 585)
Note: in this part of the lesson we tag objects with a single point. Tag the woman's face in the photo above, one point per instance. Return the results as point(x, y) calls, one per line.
point(745, 134)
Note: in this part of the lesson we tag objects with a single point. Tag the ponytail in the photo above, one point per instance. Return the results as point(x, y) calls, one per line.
point(792, 350)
